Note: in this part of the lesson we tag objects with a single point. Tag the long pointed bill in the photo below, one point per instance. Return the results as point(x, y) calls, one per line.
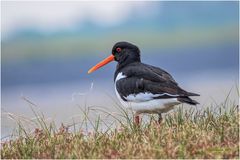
point(102, 63)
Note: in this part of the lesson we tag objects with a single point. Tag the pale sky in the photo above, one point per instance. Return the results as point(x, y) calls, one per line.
point(54, 16)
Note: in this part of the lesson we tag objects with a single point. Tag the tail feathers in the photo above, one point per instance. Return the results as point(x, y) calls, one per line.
point(187, 100)
point(192, 94)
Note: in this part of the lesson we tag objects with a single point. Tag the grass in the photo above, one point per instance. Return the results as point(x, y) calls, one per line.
point(212, 132)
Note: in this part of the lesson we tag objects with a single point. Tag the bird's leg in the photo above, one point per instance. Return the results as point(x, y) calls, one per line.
point(137, 119)
point(160, 118)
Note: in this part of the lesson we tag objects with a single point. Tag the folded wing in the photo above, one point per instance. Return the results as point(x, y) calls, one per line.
point(145, 82)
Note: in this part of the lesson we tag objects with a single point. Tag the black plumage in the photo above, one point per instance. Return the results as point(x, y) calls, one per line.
point(143, 78)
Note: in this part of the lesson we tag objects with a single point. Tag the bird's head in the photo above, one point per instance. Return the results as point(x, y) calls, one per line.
point(123, 53)
point(124, 50)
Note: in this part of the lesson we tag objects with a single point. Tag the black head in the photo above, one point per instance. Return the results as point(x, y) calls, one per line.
point(125, 53)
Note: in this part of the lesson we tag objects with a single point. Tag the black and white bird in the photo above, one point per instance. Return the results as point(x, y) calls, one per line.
point(142, 87)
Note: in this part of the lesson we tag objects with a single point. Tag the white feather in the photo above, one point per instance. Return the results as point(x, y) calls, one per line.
point(140, 97)
point(120, 76)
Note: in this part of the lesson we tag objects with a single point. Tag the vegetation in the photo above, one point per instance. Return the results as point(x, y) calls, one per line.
point(212, 132)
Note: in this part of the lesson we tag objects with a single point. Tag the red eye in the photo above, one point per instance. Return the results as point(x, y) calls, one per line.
point(118, 50)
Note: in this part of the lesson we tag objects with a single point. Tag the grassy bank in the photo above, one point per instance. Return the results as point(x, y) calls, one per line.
point(185, 133)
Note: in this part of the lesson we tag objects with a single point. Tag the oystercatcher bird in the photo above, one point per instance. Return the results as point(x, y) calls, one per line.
point(142, 87)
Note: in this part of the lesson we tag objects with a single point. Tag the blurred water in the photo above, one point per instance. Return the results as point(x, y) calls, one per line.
point(61, 102)
point(63, 69)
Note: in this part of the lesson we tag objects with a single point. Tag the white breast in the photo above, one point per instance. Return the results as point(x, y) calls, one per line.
point(145, 102)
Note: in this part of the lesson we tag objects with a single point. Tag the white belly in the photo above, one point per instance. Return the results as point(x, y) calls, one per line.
point(150, 106)
point(146, 105)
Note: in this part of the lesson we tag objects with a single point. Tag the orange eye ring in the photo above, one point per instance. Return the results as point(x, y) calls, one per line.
point(118, 50)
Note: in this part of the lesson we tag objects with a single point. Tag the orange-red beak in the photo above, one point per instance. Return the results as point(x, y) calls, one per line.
point(101, 64)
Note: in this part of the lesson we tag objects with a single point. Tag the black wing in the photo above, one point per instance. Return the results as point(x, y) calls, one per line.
point(148, 72)
point(145, 78)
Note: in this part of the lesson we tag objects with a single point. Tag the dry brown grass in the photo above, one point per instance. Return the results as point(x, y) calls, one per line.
point(183, 134)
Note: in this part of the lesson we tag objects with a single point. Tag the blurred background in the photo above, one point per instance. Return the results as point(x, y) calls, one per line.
point(48, 47)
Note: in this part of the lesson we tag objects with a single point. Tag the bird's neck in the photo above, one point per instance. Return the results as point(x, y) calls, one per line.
point(124, 62)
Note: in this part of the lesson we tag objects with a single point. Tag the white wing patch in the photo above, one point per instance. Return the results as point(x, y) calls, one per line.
point(141, 97)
